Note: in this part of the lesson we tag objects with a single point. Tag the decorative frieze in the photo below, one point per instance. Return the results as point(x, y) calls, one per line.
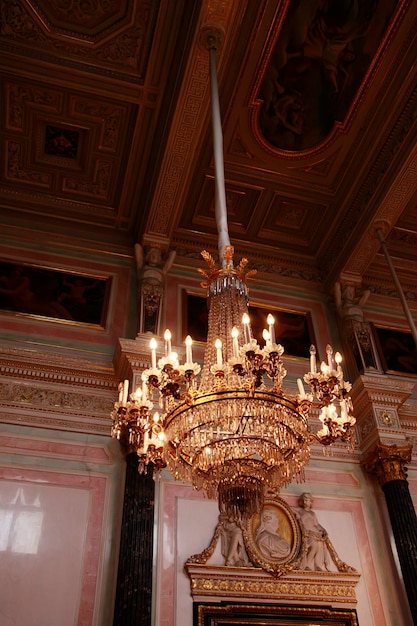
point(56, 390)
point(218, 582)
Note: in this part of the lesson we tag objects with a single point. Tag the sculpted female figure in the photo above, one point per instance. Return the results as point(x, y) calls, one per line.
point(316, 557)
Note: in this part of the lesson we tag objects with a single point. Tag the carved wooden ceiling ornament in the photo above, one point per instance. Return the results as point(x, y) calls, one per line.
point(106, 131)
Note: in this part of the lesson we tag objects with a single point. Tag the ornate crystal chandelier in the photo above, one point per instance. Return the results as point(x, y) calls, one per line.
point(228, 427)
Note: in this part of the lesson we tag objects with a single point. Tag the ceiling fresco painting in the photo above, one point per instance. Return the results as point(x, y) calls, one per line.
point(317, 66)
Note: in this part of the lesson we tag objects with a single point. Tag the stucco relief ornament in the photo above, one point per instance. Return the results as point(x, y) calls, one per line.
point(278, 539)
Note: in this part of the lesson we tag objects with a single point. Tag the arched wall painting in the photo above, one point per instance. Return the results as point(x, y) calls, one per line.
point(318, 63)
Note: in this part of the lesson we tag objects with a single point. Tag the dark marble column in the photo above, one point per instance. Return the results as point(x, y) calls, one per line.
point(389, 464)
point(133, 605)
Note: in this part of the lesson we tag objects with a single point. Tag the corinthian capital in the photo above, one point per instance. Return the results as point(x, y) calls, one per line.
point(388, 462)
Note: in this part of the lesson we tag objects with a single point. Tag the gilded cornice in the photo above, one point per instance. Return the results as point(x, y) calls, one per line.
point(66, 368)
point(55, 390)
point(252, 583)
point(381, 389)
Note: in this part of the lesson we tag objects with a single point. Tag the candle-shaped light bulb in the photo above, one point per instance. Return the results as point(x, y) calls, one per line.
point(301, 389)
point(343, 411)
point(324, 367)
point(267, 336)
point(218, 346)
point(188, 349)
point(153, 345)
point(144, 389)
point(235, 335)
point(246, 328)
point(156, 417)
point(137, 395)
point(167, 337)
point(313, 359)
point(329, 351)
point(125, 391)
point(338, 359)
point(271, 321)
point(145, 440)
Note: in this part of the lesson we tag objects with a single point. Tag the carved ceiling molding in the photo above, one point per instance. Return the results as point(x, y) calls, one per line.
point(192, 105)
point(385, 288)
point(383, 389)
point(125, 51)
point(15, 394)
point(378, 401)
point(88, 174)
point(132, 356)
point(49, 399)
point(285, 267)
point(390, 205)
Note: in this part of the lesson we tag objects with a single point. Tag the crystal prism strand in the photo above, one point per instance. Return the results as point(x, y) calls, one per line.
point(227, 303)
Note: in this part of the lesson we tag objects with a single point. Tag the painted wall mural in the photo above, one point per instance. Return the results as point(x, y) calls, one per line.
point(40, 291)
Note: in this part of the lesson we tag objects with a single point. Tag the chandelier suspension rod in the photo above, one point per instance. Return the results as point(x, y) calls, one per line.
point(397, 283)
point(220, 192)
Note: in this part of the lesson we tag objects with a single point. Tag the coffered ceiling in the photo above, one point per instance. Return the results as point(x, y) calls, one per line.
point(106, 130)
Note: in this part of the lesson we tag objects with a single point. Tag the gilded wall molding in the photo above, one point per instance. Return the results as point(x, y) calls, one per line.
point(254, 584)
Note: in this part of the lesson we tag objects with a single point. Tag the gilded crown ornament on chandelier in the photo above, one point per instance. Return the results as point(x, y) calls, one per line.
point(228, 427)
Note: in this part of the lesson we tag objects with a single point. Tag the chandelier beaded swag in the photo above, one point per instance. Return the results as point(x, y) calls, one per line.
point(228, 427)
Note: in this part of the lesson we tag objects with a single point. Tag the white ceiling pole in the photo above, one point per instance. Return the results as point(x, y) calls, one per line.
point(398, 285)
point(220, 192)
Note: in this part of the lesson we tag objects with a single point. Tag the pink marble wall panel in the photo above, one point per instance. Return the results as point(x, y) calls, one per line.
point(54, 449)
point(53, 531)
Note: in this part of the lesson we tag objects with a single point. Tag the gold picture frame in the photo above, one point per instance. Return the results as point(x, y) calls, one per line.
point(230, 614)
point(293, 329)
point(44, 292)
point(273, 537)
point(396, 349)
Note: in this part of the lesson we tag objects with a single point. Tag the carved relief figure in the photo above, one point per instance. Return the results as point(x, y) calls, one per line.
point(268, 540)
point(152, 270)
point(232, 543)
point(349, 303)
point(319, 552)
point(315, 536)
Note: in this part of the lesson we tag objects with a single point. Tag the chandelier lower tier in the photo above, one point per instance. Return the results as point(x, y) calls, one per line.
point(229, 429)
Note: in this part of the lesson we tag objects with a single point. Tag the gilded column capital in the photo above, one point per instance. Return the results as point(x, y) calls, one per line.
point(388, 462)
